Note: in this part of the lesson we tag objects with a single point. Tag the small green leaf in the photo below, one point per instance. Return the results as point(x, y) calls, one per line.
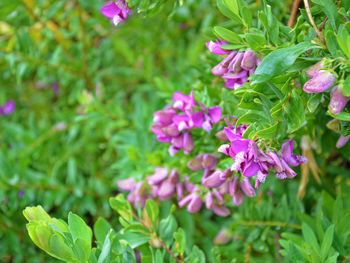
point(232, 5)
point(255, 41)
point(78, 228)
point(227, 35)
point(101, 229)
point(310, 237)
point(346, 86)
point(343, 116)
point(59, 248)
point(278, 61)
point(268, 133)
point(122, 206)
point(327, 242)
point(152, 211)
point(106, 248)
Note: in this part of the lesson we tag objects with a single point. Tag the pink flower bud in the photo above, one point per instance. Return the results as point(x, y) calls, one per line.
point(338, 100)
point(238, 198)
point(342, 141)
point(209, 161)
point(223, 237)
point(249, 60)
point(213, 180)
point(320, 82)
point(235, 64)
point(166, 190)
point(221, 210)
point(160, 173)
point(179, 191)
point(126, 184)
point(221, 135)
point(195, 204)
point(209, 200)
point(196, 163)
point(314, 69)
point(215, 47)
point(247, 187)
point(188, 142)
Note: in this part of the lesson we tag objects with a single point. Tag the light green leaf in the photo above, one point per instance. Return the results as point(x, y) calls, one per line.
point(78, 228)
point(227, 35)
point(327, 242)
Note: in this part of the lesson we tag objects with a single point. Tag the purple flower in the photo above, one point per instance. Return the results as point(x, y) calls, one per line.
point(342, 141)
point(8, 108)
point(214, 180)
point(116, 11)
point(194, 202)
point(172, 124)
point(289, 157)
point(320, 82)
point(236, 67)
point(247, 187)
point(215, 47)
point(338, 100)
point(221, 210)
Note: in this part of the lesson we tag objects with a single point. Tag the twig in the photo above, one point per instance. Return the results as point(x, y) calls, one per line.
point(269, 223)
point(319, 33)
point(247, 255)
point(293, 13)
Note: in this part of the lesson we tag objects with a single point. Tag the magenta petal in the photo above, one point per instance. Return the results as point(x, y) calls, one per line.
point(238, 198)
point(209, 200)
point(196, 163)
point(213, 180)
point(126, 184)
point(197, 118)
point(239, 145)
point(209, 161)
point(215, 114)
point(249, 60)
point(314, 69)
point(110, 10)
point(251, 169)
point(215, 47)
point(9, 107)
point(166, 190)
point(188, 142)
point(195, 204)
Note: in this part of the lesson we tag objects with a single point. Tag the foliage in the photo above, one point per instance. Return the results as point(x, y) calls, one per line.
point(85, 92)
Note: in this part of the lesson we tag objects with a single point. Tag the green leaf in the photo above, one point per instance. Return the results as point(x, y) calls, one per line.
point(327, 242)
point(167, 227)
point(251, 117)
point(227, 35)
point(60, 249)
point(122, 206)
point(36, 213)
point(255, 41)
point(106, 248)
point(278, 61)
point(343, 116)
point(268, 133)
point(180, 240)
point(346, 86)
point(101, 229)
point(331, 41)
point(196, 256)
point(343, 40)
point(232, 5)
point(78, 228)
point(135, 239)
point(228, 13)
point(247, 16)
point(295, 111)
point(314, 102)
point(330, 9)
point(152, 211)
point(82, 249)
point(310, 237)
point(333, 258)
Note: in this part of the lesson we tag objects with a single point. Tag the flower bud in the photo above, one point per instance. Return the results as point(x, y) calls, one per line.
point(221, 135)
point(126, 184)
point(247, 187)
point(160, 173)
point(215, 47)
point(195, 204)
point(223, 237)
point(235, 64)
point(249, 60)
point(179, 191)
point(196, 163)
point(209, 200)
point(221, 210)
point(166, 190)
point(188, 142)
point(213, 180)
point(342, 141)
point(320, 82)
point(238, 198)
point(209, 161)
point(333, 125)
point(314, 69)
point(338, 100)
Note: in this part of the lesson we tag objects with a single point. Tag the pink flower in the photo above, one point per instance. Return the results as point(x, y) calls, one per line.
point(215, 47)
point(338, 100)
point(116, 11)
point(320, 82)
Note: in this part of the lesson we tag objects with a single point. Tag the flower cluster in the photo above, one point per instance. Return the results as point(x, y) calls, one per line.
point(172, 124)
point(7, 108)
point(236, 67)
point(116, 11)
point(250, 160)
point(162, 185)
point(321, 80)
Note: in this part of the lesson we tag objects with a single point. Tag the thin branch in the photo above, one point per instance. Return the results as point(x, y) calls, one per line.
point(268, 223)
point(293, 13)
point(319, 33)
point(247, 255)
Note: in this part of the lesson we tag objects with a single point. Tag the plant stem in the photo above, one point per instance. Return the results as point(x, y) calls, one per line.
point(319, 33)
point(293, 13)
point(268, 223)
